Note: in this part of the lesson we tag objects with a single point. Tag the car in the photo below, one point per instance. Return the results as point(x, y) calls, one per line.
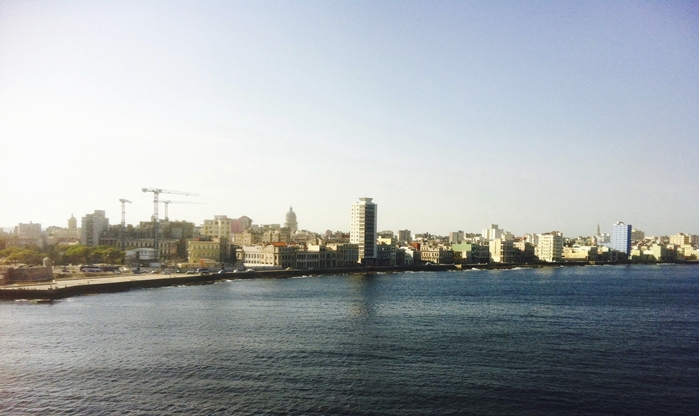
point(221, 271)
point(203, 270)
point(190, 272)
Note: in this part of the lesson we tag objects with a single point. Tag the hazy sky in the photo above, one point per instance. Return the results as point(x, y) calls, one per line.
point(537, 116)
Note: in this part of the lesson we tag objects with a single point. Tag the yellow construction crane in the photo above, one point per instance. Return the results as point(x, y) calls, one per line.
point(156, 193)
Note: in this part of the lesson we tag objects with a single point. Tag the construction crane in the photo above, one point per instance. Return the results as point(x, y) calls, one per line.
point(178, 202)
point(156, 193)
point(123, 221)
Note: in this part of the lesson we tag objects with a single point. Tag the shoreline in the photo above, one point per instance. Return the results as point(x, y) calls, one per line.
point(65, 288)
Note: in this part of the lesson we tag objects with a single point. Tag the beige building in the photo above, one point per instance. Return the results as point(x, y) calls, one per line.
point(550, 247)
point(215, 250)
point(437, 255)
point(501, 251)
point(580, 253)
point(219, 227)
point(347, 254)
point(275, 234)
point(680, 239)
point(167, 247)
point(272, 255)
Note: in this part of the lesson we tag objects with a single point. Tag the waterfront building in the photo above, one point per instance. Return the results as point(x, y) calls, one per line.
point(463, 252)
point(290, 221)
point(620, 237)
point(93, 226)
point(347, 254)
point(276, 255)
point(410, 254)
point(306, 259)
point(580, 253)
point(550, 247)
point(525, 252)
point(363, 229)
point(501, 251)
point(385, 255)
point(215, 250)
point(168, 248)
point(437, 255)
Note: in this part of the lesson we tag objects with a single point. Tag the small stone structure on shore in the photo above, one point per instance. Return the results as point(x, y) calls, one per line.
point(29, 274)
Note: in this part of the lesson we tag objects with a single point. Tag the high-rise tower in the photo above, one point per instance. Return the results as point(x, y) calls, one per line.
point(93, 225)
point(620, 238)
point(363, 229)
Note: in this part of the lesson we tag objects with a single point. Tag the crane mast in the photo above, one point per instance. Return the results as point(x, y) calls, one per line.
point(123, 221)
point(156, 193)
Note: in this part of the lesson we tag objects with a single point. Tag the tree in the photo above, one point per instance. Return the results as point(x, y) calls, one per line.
point(27, 255)
point(78, 254)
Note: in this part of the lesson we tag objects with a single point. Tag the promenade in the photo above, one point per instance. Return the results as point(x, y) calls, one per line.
point(67, 287)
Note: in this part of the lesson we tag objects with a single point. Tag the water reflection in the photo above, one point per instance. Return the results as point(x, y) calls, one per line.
point(363, 300)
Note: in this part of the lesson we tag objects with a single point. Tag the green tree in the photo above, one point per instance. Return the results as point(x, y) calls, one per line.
point(26, 255)
point(78, 254)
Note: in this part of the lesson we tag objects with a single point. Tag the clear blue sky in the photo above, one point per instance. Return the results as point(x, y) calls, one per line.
point(537, 116)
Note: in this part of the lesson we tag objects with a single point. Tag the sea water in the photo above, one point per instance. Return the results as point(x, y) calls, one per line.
point(553, 341)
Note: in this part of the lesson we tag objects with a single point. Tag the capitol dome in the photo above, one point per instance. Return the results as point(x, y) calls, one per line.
point(291, 220)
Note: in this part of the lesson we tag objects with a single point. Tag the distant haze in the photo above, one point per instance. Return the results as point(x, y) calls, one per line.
point(535, 116)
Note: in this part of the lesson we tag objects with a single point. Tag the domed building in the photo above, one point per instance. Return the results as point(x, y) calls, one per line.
point(291, 221)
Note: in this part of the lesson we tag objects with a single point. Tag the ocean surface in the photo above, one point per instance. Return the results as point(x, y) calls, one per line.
point(596, 340)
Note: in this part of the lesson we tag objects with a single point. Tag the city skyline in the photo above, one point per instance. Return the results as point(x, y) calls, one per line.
point(451, 115)
point(72, 220)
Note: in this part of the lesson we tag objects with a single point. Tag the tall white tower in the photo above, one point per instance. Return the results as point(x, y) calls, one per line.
point(363, 229)
point(621, 237)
